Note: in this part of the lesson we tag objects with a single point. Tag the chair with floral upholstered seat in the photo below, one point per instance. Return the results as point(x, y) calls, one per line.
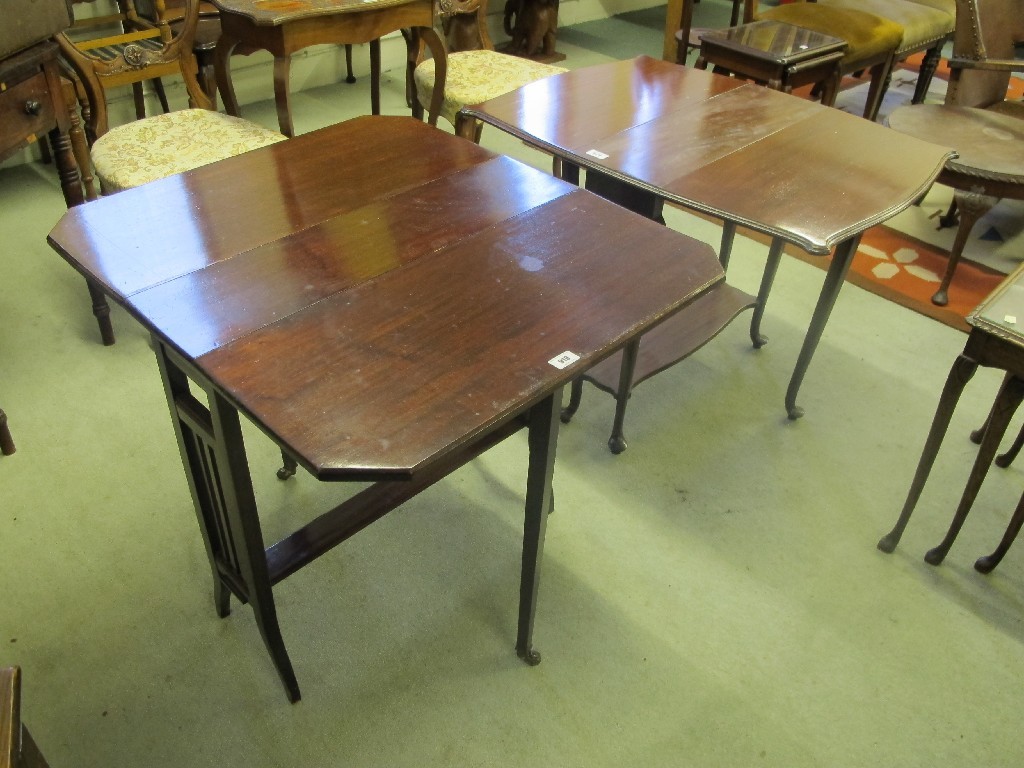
point(476, 72)
point(145, 150)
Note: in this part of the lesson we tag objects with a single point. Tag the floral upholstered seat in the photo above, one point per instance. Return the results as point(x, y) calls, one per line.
point(136, 153)
point(476, 76)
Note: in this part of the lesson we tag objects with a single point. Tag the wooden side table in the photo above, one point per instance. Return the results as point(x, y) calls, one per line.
point(286, 28)
point(779, 55)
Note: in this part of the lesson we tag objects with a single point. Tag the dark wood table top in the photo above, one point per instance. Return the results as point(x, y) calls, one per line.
point(378, 293)
point(781, 165)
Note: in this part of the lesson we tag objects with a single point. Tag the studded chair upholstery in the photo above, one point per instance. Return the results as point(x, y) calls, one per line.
point(871, 40)
point(927, 25)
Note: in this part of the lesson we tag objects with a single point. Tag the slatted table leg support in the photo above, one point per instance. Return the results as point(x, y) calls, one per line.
point(213, 454)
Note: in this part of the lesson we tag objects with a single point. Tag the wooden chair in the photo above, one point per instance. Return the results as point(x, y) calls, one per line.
point(155, 147)
point(17, 748)
point(476, 72)
point(872, 41)
point(107, 34)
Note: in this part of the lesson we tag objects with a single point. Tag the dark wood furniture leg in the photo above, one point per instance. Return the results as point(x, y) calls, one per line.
point(988, 562)
point(771, 268)
point(972, 206)
point(543, 437)
point(837, 269)
point(1006, 459)
point(374, 76)
point(962, 371)
point(213, 454)
point(6, 441)
point(1009, 397)
point(101, 310)
point(929, 64)
point(617, 441)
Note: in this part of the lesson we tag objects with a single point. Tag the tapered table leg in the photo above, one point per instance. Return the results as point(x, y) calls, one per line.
point(834, 278)
point(543, 437)
point(771, 267)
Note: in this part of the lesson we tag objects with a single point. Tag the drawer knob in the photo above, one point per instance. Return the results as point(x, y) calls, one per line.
point(33, 107)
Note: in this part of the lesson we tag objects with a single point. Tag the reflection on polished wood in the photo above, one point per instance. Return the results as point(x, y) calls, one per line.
point(386, 323)
point(802, 173)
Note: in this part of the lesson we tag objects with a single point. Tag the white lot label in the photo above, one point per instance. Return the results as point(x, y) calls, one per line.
point(564, 360)
point(597, 154)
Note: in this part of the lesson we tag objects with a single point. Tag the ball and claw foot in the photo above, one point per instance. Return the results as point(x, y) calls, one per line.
point(795, 412)
point(758, 340)
point(285, 472)
point(530, 655)
point(941, 298)
point(935, 556)
point(565, 416)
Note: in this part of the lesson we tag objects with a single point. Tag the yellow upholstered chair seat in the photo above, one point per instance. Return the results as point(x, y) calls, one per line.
point(476, 76)
point(866, 35)
point(136, 153)
point(922, 25)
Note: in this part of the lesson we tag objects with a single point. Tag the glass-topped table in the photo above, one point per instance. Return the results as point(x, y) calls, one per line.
point(996, 340)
